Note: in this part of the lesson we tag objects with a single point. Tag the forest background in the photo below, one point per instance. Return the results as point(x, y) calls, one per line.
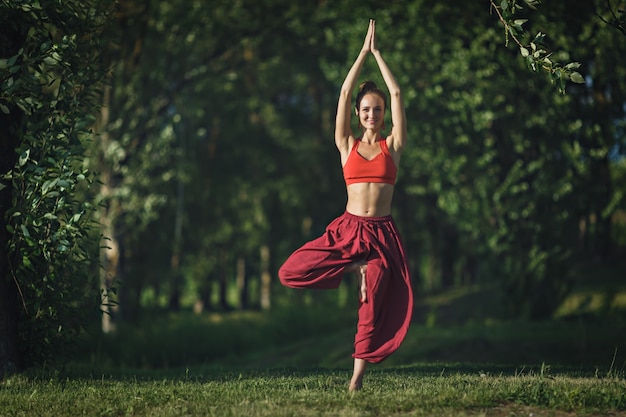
point(167, 156)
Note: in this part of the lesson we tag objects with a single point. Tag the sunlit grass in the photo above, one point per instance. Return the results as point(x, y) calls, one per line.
point(321, 335)
point(458, 359)
point(392, 392)
point(591, 302)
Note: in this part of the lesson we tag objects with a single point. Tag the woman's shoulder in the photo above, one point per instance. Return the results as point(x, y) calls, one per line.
point(345, 147)
point(391, 145)
point(387, 141)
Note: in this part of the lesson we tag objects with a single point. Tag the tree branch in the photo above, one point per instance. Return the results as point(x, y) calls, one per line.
point(536, 58)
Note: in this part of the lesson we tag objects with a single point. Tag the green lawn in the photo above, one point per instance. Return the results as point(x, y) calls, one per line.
point(412, 390)
point(297, 363)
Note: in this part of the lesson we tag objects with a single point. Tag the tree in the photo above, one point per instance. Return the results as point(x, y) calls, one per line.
point(11, 38)
point(218, 118)
point(49, 82)
point(216, 158)
point(492, 166)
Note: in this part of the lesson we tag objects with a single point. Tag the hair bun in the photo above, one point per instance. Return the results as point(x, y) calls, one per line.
point(367, 86)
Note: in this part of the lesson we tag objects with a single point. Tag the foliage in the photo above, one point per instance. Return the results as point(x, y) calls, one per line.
point(207, 142)
point(215, 142)
point(536, 57)
point(51, 81)
point(218, 141)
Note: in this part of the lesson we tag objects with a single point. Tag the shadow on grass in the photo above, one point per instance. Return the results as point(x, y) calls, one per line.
point(454, 332)
point(575, 348)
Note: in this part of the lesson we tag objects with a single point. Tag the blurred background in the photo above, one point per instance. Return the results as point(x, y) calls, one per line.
point(213, 159)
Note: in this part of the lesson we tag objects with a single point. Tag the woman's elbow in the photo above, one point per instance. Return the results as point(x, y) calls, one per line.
point(395, 93)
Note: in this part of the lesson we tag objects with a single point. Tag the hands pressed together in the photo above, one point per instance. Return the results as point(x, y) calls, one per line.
point(369, 44)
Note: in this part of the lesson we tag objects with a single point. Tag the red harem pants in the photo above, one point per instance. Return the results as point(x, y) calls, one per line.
point(385, 316)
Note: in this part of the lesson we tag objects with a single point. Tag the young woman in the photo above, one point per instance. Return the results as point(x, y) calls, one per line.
point(365, 238)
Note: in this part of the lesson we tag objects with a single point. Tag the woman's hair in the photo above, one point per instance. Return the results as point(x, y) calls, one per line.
point(369, 87)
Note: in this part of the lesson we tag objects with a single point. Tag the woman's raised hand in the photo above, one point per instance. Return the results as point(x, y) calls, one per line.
point(367, 43)
point(373, 47)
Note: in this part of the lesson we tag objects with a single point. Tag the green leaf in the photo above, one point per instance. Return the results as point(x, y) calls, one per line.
point(24, 230)
point(539, 37)
point(531, 3)
point(48, 185)
point(27, 7)
point(27, 263)
point(4, 109)
point(577, 78)
point(573, 65)
point(24, 157)
point(524, 51)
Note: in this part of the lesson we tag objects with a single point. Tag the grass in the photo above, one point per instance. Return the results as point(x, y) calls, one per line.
point(406, 391)
point(297, 363)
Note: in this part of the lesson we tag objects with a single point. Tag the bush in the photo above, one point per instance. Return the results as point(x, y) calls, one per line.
point(50, 84)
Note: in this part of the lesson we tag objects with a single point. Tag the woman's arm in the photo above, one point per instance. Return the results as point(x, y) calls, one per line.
point(398, 115)
point(343, 132)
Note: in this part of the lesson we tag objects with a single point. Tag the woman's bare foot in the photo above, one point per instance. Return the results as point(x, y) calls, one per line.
point(355, 386)
point(356, 383)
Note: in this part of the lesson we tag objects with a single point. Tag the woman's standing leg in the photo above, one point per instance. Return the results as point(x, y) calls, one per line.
point(360, 365)
point(356, 383)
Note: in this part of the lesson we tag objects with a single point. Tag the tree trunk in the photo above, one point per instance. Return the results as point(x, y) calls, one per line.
point(177, 279)
point(266, 279)
point(242, 284)
point(468, 276)
point(109, 250)
point(223, 280)
point(604, 222)
point(109, 256)
point(205, 293)
point(449, 252)
point(123, 54)
point(10, 360)
point(11, 40)
point(9, 294)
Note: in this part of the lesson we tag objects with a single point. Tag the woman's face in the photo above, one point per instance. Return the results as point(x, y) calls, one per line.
point(371, 111)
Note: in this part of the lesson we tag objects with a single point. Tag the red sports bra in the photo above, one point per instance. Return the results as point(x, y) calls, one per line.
point(379, 169)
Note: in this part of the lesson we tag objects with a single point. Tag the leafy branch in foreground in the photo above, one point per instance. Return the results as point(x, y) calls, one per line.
point(537, 58)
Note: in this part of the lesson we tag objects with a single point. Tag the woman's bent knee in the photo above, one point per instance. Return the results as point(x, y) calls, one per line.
point(287, 276)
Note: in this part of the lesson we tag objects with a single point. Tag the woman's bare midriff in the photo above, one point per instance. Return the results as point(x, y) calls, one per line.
point(368, 199)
